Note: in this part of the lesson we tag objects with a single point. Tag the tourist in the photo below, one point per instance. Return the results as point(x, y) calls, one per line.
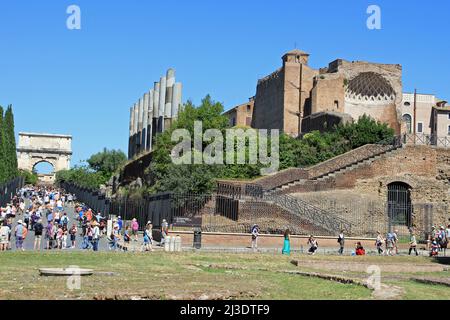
point(341, 241)
point(255, 235)
point(390, 244)
point(112, 241)
point(49, 235)
point(120, 223)
point(65, 220)
point(135, 228)
point(148, 237)
point(4, 236)
point(70, 199)
point(127, 237)
point(38, 228)
point(73, 235)
point(413, 243)
point(287, 243)
point(18, 233)
point(95, 236)
point(59, 237)
point(434, 248)
point(313, 245)
point(26, 218)
point(59, 205)
point(164, 231)
point(442, 239)
point(24, 232)
point(379, 243)
point(359, 250)
point(395, 240)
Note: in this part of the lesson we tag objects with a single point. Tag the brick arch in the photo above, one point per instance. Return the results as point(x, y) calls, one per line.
point(404, 180)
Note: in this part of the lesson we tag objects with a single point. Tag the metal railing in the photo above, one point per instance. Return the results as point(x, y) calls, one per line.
point(315, 215)
point(427, 140)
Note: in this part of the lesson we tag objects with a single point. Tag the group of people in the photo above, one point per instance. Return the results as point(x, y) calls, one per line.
point(385, 245)
point(42, 211)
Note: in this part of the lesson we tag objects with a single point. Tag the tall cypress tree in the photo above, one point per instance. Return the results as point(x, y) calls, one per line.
point(3, 170)
point(10, 146)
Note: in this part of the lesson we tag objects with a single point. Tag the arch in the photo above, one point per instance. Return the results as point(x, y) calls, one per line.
point(370, 88)
point(44, 161)
point(35, 148)
point(407, 118)
point(399, 204)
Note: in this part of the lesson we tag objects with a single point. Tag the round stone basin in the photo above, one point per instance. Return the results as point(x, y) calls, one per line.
point(60, 272)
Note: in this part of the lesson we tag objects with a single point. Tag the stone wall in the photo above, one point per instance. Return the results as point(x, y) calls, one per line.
point(269, 102)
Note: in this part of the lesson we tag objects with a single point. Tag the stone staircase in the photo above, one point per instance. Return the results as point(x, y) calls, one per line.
point(339, 165)
point(325, 221)
point(354, 166)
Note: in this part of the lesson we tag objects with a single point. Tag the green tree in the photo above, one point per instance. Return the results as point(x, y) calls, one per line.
point(107, 162)
point(10, 144)
point(3, 167)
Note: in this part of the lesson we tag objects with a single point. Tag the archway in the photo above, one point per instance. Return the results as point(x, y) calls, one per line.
point(44, 167)
point(399, 205)
point(37, 148)
point(408, 121)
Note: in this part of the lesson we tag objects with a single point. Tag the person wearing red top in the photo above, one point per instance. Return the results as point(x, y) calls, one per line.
point(360, 250)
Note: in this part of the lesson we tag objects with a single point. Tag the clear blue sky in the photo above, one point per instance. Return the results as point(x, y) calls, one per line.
point(83, 82)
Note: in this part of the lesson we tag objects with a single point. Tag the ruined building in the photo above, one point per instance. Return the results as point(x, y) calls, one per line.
point(298, 99)
point(153, 113)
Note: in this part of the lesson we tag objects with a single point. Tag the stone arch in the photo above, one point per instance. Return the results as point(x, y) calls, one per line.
point(50, 162)
point(407, 119)
point(35, 148)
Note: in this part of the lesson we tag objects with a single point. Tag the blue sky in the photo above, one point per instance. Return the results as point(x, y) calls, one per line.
point(82, 82)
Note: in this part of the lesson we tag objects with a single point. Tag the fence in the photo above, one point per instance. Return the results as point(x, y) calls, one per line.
point(274, 214)
point(10, 189)
point(427, 140)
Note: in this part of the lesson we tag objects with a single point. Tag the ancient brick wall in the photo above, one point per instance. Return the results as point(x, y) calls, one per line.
point(268, 111)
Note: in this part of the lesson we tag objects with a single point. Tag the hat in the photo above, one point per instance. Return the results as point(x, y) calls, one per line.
point(19, 222)
point(149, 222)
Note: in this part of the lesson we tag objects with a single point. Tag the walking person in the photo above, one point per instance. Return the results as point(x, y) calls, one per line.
point(390, 244)
point(255, 235)
point(95, 236)
point(24, 233)
point(379, 243)
point(147, 245)
point(64, 236)
point(135, 228)
point(287, 243)
point(341, 241)
point(164, 231)
point(49, 235)
point(73, 235)
point(126, 238)
point(4, 236)
point(18, 233)
point(413, 243)
point(395, 240)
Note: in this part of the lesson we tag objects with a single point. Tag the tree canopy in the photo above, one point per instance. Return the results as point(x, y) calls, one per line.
point(8, 154)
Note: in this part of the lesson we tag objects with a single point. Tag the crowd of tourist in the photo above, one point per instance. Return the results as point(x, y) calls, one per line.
point(42, 211)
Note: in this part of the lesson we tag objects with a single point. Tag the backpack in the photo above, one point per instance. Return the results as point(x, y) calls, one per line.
point(38, 228)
